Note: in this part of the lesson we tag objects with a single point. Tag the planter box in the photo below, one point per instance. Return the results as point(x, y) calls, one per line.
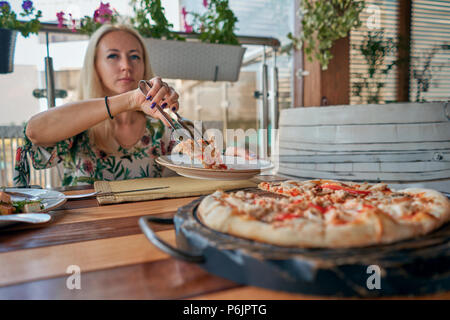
point(395, 142)
point(7, 47)
point(194, 60)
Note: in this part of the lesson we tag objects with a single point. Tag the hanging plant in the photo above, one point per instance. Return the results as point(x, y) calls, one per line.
point(10, 26)
point(324, 22)
point(150, 20)
point(216, 57)
point(8, 18)
point(217, 24)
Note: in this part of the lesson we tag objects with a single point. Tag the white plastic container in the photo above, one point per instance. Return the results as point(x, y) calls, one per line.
point(402, 142)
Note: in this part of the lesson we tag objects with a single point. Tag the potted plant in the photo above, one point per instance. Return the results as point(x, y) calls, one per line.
point(9, 26)
point(324, 22)
point(216, 57)
point(375, 49)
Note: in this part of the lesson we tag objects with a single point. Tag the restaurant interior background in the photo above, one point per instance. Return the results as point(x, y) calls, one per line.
point(232, 104)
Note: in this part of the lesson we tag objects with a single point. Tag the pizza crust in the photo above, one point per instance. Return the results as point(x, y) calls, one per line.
point(219, 217)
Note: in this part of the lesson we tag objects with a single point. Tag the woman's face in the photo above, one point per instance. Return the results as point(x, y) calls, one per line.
point(119, 62)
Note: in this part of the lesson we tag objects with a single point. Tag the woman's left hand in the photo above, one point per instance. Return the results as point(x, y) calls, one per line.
point(160, 93)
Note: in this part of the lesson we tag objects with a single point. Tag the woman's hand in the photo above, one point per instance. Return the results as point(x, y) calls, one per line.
point(160, 94)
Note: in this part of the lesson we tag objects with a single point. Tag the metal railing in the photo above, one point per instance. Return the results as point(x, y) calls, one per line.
point(11, 137)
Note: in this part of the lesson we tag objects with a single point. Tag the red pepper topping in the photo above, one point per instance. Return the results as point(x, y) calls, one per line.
point(294, 193)
point(336, 187)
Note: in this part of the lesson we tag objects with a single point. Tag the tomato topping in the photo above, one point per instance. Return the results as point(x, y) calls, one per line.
point(336, 187)
point(286, 216)
point(321, 209)
point(297, 201)
point(294, 193)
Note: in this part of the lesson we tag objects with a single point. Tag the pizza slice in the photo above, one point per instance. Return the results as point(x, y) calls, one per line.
point(205, 152)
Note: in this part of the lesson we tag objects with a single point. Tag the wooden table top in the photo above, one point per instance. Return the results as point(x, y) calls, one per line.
point(115, 259)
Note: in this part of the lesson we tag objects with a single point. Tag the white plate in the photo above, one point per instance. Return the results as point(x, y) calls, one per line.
point(238, 168)
point(50, 199)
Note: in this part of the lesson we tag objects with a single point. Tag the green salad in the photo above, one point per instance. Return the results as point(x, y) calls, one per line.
point(27, 205)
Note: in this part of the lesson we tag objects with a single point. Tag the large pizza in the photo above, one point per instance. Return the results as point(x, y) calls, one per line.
point(326, 213)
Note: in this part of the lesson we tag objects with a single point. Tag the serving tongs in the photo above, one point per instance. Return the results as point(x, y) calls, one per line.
point(145, 87)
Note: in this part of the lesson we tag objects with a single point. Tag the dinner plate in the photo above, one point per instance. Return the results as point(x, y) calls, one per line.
point(50, 199)
point(238, 168)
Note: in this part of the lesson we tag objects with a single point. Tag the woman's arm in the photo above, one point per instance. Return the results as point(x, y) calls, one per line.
point(48, 127)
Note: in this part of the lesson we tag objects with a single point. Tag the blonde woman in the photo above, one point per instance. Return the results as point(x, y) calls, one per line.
point(113, 132)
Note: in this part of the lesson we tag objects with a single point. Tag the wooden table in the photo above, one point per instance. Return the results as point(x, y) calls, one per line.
point(115, 259)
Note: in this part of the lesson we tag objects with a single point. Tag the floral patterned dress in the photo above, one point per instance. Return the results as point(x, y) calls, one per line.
point(84, 163)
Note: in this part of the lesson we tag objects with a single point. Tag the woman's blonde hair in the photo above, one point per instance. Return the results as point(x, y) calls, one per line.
point(90, 85)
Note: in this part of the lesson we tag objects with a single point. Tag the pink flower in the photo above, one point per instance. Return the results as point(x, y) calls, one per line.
point(187, 27)
point(60, 16)
point(96, 15)
point(205, 3)
point(104, 12)
point(104, 9)
point(183, 12)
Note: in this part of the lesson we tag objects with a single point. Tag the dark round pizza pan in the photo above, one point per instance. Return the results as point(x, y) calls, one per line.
point(414, 267)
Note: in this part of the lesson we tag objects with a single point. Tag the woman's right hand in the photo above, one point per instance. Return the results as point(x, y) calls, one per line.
point(160, 93)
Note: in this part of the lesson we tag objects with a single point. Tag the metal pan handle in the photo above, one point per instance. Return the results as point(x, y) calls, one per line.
point(146, 225)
